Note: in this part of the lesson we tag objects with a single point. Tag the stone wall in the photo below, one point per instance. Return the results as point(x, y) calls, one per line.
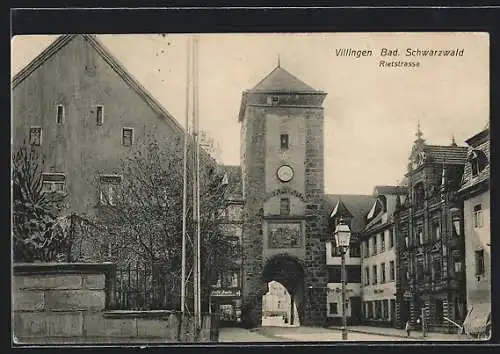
point(68, 303)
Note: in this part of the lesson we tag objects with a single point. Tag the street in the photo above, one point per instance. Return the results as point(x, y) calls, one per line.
point(299, 334)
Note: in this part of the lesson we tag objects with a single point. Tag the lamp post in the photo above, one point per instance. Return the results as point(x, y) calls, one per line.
point(342, 238)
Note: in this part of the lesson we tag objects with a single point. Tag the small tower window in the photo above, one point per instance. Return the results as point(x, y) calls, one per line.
point(285, 206)
point(60, 114)
point(284, 141)
point(99, 115)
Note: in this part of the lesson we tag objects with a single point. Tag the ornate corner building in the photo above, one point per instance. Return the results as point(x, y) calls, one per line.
point(430, 239)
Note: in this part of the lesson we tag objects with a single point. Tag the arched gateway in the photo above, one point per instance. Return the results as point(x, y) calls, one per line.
point(287, 271)
point(282, 178)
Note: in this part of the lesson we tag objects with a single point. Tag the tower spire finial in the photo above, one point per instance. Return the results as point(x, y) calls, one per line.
point(419, 133)
point(453, 142)
point(279, 61)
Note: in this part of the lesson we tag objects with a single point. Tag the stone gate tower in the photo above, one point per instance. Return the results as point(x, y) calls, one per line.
point(282, 174)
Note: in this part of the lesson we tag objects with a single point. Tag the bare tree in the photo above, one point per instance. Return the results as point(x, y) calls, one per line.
point(143, 217)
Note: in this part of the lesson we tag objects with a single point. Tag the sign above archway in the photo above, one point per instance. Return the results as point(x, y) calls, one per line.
point(285, 190)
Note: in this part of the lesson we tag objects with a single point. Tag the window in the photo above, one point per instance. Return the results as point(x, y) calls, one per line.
point(333, 308)
point(369, 307)
point(354, 251)
point(284, 141)
point(365, 249)
point(438, 303)
point(385, 309)
point(477, 216)
point(374, 241)
point(99, 115)
point(392, 270)
point(382, 273)
point(235, 279)
point(419, 195)
point(391, 239)
point(284, 206)
point(479, 262)
point(108, 188)
point(374, 274)
point(436, 269)
point(367, 276)
point(436, 230)
point(420, 271)
point(420, 235)
point(382, 241)
point(127, 136)
point(378, 309)
point(234, 243)
point(353, 274)
point(60, 114)
point(36, 136)
point(53, 182)
point(457, 263)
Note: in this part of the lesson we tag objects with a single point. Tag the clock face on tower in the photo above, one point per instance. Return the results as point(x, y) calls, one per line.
point(285, 173)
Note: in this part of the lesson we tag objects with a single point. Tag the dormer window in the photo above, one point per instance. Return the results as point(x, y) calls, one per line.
point(478, 161)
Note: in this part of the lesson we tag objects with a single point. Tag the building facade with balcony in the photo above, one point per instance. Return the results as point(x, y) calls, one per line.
point(430, 240)
point(353, 210)
point(378, 258)
point(475, 193)
point(225, 297)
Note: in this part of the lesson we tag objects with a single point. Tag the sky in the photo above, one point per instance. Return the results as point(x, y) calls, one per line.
point(371, 112)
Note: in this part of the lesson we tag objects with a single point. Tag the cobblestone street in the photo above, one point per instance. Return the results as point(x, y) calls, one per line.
point(318, 334)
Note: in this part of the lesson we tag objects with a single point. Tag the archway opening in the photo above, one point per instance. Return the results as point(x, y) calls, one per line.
point(282, 304)
point(278, 307)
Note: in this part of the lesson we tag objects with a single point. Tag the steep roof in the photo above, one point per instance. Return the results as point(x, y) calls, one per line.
point(63, 40)
point(280, 80)
point(358, 206)
point(447, 154)
point(387, 190)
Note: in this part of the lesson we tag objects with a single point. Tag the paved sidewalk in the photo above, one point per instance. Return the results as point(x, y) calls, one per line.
point(243, 335)
point(394, 332)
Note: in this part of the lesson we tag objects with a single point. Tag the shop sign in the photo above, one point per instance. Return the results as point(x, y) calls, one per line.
point(223, 292)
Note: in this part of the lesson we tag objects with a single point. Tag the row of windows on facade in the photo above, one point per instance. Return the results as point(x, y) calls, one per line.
point(375, 278)
point(376, 244)
point(228, 279)
point(36, 135)
point(108, 185)
point(379, 309)
point(99, 115)
point(421, 268)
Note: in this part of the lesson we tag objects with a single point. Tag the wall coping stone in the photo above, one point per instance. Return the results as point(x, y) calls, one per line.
point(139, 314)
point(106, 268)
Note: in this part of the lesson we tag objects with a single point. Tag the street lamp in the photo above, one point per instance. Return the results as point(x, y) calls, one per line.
point(342, 238)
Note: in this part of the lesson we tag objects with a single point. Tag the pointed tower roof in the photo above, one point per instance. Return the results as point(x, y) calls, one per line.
point(280, 80)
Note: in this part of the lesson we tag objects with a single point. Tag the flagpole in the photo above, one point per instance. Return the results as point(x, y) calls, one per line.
point(198, 231)
point(195, 187)
point(184, 190)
